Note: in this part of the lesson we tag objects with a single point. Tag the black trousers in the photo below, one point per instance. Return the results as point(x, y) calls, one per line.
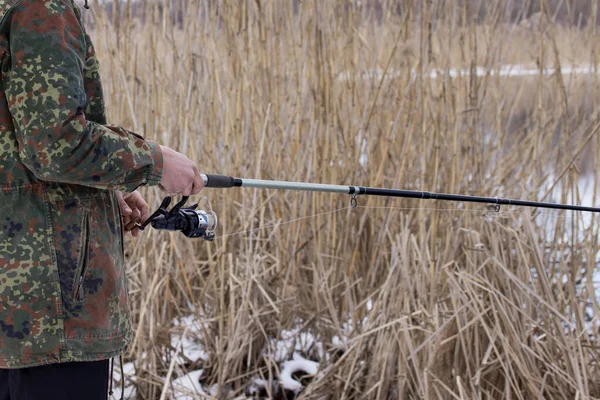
point(67, 381)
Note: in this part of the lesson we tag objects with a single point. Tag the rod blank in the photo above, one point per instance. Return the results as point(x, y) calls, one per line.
point(299, 186)
point(222, 181)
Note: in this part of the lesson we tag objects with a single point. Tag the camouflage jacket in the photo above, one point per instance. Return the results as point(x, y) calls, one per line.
point(63, 291)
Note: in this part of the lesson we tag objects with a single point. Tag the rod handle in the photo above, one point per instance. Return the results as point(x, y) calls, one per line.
point(218, 181)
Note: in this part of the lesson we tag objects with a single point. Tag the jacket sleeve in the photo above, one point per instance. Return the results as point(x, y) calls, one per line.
point(46, 97)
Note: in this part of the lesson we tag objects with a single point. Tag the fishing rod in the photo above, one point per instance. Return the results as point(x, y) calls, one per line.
point(199, 223)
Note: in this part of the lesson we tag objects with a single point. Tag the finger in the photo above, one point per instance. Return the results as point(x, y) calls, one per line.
point(198, 184)
point(136, 201)
point(135, 219)
point(130, 221)
point(136, 215)
point(125, 209)
point(145, 213)
point(143, 208)
point(130, 226)
point(188, 190)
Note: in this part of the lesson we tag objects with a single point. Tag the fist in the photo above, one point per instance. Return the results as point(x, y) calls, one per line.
point(180, 174)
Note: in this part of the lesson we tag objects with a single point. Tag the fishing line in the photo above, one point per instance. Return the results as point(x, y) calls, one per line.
point(277, 224)
point(485, 213)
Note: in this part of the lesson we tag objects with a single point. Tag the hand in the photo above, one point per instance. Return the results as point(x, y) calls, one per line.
point(134, 210)
point(180, 174)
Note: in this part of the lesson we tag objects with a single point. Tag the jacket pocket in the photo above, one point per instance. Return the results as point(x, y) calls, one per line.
point(78, 288)
point(72, 236)
point(97, 305)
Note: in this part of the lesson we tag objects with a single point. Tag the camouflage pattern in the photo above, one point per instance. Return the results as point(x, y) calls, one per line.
point(63, 290)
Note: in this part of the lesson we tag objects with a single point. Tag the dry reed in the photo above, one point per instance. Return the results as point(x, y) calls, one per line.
point(431, 300)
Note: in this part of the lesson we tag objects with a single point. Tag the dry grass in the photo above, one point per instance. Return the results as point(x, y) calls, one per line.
point(434, 300)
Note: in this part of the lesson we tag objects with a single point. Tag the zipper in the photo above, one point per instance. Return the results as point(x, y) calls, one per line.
point(84, 258)
point(121, 227)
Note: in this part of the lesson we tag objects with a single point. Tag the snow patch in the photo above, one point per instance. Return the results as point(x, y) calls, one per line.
point(294, 341)
point(187, 341)
point(188, 387)
point(298, 364)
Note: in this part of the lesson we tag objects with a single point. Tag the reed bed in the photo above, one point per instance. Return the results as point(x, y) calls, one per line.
point(405, 299)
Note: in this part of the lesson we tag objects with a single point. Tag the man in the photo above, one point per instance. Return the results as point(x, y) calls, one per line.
point(63, 300)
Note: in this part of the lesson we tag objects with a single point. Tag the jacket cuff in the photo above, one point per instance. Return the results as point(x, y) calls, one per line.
point(156, 173)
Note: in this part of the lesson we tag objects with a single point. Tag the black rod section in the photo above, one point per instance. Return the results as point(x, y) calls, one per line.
point(472, 199)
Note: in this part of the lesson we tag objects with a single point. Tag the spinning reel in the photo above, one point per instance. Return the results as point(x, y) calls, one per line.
point(192, 222)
